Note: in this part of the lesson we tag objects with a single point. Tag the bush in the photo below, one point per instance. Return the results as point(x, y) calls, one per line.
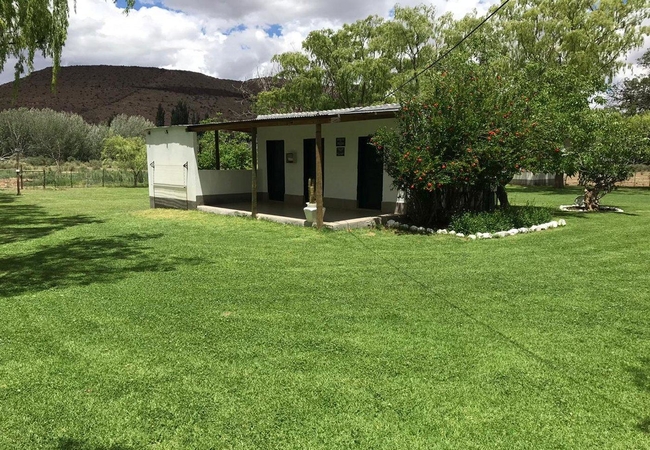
point(500, 220)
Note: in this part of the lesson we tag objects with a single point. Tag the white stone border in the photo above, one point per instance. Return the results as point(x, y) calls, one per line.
point(393, 224)
point(571, 208)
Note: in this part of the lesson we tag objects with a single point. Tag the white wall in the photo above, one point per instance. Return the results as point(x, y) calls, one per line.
point(534, 179)
point(224, 182)
point(340, 171)
point(169, 148)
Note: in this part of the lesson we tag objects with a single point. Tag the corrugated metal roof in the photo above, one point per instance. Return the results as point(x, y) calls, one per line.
point(390, 107)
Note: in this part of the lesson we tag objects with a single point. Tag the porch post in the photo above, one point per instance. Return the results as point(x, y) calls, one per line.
point(254, 187)
point(217, 152)
point(319, 176)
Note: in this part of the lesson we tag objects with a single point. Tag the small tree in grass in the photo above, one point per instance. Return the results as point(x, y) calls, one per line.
point(607, 157)
point(127, 153)
point(459, 142)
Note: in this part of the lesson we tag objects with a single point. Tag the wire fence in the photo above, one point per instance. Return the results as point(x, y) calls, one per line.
point(84, 177)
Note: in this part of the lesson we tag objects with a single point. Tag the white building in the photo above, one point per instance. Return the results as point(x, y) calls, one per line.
point(284, 146)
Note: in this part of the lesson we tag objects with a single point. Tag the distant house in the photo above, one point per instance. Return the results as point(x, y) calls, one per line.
point(285, 147)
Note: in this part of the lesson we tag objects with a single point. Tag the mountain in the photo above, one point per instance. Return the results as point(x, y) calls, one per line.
point(98, 93)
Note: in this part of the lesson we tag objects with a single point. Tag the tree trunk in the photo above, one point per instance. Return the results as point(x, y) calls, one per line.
point(591, 200)
point(502, 195)
point(559, 180)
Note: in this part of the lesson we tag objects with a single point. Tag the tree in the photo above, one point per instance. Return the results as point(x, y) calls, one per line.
point(59, 135)
point(160, 116)
point(467, 134)
point(355, 66)
point(130, 126)
point(31, 26)
point(633, 96)
point(180, 114)
point(234, 149)
point(570, 50)
point(128, 153)
point(16, 132)
point(615, 145)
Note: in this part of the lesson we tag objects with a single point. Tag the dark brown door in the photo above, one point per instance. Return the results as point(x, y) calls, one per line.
point(275, 169)
point(370, 176)
point(309, 159)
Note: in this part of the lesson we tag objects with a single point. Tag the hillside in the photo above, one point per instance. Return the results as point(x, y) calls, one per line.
point(99, 92)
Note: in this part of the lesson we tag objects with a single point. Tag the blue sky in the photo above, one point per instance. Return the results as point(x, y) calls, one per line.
point(233, 39)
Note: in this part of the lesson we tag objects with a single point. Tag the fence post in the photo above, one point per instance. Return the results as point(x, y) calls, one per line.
point(70, 178)
point(103, 176)
point(43, 178)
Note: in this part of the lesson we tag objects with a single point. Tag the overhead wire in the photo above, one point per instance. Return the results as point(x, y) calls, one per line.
point(447, 52)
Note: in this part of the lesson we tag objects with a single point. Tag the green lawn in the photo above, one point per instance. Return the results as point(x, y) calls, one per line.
point(125, 328)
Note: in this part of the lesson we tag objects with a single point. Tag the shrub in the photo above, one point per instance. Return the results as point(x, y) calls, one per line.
point(500, 220)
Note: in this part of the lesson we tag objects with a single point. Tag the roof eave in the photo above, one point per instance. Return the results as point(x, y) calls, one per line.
point(248, 125)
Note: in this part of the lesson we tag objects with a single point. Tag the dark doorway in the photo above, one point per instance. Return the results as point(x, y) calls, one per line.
point(370, 176)
point(275, 169)
point(309, 158)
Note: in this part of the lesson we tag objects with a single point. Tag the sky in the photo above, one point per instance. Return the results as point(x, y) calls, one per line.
point(231, 39)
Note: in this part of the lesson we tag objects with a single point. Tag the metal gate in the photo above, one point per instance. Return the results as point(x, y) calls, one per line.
point(170, 186)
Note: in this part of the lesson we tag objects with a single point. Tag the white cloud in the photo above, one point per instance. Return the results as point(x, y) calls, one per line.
point(224, 39)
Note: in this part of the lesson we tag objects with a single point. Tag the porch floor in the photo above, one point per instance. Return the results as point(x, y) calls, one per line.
point(335, 219)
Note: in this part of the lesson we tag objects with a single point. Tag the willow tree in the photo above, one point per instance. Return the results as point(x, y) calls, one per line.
point(28, 27)
point(357, 65)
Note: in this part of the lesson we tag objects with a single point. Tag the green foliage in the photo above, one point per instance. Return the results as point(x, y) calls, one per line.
point(127, 153)
point(587, 38)
point(500, 220)
point(130, 126)
point(469, 133)
point(356, 65)
point(633, 95)
point(56, 135)
point(234, 149)
point(614, 146)
point(180, 114)
point(160, 116)
point(28, 27)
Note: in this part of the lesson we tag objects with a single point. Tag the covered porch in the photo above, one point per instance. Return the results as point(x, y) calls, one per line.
point(276, 181)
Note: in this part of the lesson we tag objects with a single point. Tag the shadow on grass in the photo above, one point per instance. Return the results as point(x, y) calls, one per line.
point(641, 377)
point(75, 444)
point(23, 222)
point(81, 262)
point(546, 190)
point(7, 198)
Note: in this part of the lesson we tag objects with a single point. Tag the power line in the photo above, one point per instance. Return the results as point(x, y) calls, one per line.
point(563, 373)
point(446, 53)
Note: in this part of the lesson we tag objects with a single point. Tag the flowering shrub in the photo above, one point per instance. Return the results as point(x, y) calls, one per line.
point(454, 145)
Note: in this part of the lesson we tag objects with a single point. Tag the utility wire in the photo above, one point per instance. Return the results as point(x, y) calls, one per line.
point(501, 335)
point(447, 52)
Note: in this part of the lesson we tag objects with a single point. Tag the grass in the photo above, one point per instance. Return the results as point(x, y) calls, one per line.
point(126, 328)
